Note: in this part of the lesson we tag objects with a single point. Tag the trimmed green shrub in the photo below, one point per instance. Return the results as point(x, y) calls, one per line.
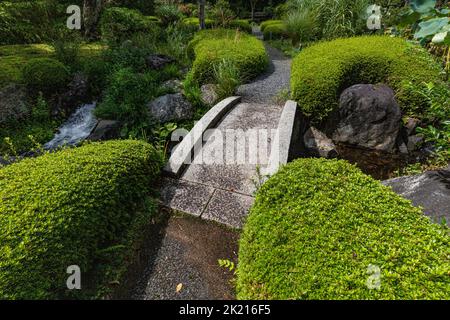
point(240, 24)
point(119, 24)
point(268, 23)
point(64, 209)
point(211, 47)
point(275, 31)
point(321, 72)
point(45, 74)
point(194, 23)
point(317, 229)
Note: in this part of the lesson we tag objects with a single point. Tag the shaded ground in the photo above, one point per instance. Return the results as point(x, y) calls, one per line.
point(189, 249)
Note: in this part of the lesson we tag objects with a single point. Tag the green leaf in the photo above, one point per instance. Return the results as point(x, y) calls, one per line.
point(408, 18)
point(431, 27)
point(423, 6)
point(441, 38)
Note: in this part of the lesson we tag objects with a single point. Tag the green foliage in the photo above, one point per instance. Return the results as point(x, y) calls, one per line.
point(227, 79)
point(318, 225)
point(64, 208)
point(28, 21)
point(213, 46)
point(194, 24)
point(301, 26)
point(268, 23)
point(321, 72)
point(241, 24)
point(334, 18)
point(126, 98)
point(14, 57)
point(146, 7)
point(45, 74)
point(437, 117)
point(221, 13)
point(119, 24)
point(275, 31)
point(227, 264)
point(169, 13)
point(428, 22)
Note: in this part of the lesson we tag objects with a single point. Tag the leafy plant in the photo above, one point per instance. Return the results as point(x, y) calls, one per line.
point(227, 264)
point(317, 225)
point(301, 26)
point(65, 208)
point(227, 78)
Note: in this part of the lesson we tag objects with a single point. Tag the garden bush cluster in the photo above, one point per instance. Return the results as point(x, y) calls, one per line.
point(317, 226)
point(321, 72)
point(63, 208)
point(210, 47)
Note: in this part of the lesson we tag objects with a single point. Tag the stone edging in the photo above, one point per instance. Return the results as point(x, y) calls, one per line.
point(286, 140)
point(194, 139)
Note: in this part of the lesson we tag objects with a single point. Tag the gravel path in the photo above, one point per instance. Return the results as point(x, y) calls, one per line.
point(277, 77)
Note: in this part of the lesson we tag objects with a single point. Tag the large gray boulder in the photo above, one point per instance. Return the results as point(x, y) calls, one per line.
point(13, 103)
point(171, 107)
point(105, 130)
point(429, 190)
point(368, 117)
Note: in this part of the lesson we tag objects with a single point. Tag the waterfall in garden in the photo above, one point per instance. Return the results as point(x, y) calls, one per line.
point(77, 128)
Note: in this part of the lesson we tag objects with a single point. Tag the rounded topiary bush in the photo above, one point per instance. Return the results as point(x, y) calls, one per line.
point(45, 74)
point(318, 230)
point(194, 23)
point(275, 31)
point(63, 208)
point(211, 47)
point(321, 72)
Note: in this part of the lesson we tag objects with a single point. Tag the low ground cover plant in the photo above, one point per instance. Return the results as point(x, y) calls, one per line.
point(64, 209)
point(321, 229)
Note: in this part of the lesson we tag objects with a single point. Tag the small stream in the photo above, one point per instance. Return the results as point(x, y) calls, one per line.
point(77, 128)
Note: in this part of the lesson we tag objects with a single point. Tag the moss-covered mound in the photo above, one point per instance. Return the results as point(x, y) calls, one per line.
point(64, 208)
point(321, 72)
point(211, 47)
point(267, 23)
point(320, 229)
point(45, 75)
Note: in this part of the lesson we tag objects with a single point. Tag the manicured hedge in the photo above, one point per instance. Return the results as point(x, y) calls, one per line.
point(45, 74)
point(61, 209)
point(275, 31)
point(321, 72)
point(213, 46)
point(267, 23)
point(318, 224)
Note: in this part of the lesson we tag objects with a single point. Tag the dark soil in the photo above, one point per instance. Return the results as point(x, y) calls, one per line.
point(183, 250)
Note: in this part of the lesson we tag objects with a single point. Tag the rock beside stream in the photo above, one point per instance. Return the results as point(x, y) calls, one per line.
point(429, 190)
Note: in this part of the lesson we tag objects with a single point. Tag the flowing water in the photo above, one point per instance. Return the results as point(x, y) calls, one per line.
point(77, 128)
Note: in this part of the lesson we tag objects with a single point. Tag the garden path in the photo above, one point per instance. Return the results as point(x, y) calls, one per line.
point(223, 189)
point(184, 264)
